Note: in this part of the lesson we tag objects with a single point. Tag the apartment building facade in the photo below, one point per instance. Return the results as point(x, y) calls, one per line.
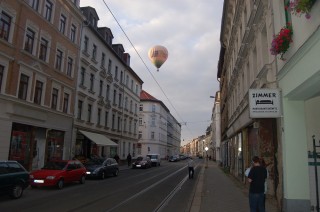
point(247, 69)
point(39, 45)
point(159, 131)
point(108, 95)
point(246, 31)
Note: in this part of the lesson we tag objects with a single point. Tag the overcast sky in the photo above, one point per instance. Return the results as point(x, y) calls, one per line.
point(190, 30)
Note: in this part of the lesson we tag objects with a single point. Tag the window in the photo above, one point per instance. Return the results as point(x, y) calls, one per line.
point(113, 120)
point(65, 103)
point(43, 49)
point(69, 68)
point(62, 26)
point(73, 33)
point(114, 96)
point(119, 123)
point(135, 108)
point(131, 105)
point(82, 75)
point(126, 102)
point(116, 73)
point(153, 121)
point(59, 60)
point(94, 52)
point(54, 98)
point(140, 121)
point(106, 116)
point(35, 4)
point(153, 108)
point(109, 66)
point(141, 107)
point(152, 135)
point(30, 36)
point(48, 10)
point(136, 88)
point(100, 88)
point(23, 87)
point(86, 42)
point(89, 112)
point(125, 125)
point(132, 85)
point(121, 77)
point(108, 92)
point(127, 80)
point(99, 114)
point(91, 81)
point(1, 76)
point(5, 24)
point(80, 105)
point(38, 92)
point(130, 126)
point(140, 134)
point(103, 60)
point(120, 98)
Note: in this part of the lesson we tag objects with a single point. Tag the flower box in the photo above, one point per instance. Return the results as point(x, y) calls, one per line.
point(281, 42)
point(299, 7)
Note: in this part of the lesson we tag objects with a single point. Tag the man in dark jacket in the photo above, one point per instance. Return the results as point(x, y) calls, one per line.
point(256, 178)
point(129, 159)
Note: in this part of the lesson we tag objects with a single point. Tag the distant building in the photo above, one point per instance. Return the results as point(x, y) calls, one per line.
point(159, 131)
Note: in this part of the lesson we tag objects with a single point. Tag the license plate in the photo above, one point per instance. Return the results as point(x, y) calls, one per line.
point(38, 181)
point(138, 165)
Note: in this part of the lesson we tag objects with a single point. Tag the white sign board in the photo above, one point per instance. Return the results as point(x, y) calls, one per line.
point(264, 103)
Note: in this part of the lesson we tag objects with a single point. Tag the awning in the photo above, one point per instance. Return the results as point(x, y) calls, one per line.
point(98, 138)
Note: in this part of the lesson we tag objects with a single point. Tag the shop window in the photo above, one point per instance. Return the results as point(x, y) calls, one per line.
point(55, 145)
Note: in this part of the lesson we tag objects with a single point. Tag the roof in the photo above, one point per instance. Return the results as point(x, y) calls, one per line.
point(146, 96)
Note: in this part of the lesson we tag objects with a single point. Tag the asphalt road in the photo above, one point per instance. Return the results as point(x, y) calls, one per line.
point(164, 188)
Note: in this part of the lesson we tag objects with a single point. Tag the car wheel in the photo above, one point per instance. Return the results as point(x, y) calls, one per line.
point(116, 173)
point(82, 179)
point(16, 191)
point(60, 184)
point(103, 175)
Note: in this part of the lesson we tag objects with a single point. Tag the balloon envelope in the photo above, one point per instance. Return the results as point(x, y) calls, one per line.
point(158, 55)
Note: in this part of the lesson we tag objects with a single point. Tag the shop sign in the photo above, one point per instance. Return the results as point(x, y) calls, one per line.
point(264, 103)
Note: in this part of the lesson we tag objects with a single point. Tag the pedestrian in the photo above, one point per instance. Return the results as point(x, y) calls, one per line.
point(129, 159)
point(257, 177)
point(190, 168)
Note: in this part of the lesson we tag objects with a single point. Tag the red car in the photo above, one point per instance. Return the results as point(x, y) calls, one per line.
point(57, 173)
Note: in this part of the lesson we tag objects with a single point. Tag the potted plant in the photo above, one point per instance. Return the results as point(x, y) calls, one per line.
point(299, 7)
point(281, 41)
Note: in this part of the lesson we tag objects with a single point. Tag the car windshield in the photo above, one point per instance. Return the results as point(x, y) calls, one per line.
point(140, 158)
point(55, 165)
point(96, 161)
point(152, 156)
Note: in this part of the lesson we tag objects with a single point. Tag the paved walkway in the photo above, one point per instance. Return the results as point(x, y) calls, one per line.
point(217, 191)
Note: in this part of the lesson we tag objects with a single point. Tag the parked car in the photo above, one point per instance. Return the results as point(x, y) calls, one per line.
point(100, 168)
point(173, 158)
point(155, 159)
point(58, 173)
point(14, 178)
point(142, 162)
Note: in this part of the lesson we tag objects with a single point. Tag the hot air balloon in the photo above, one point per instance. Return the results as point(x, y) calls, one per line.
point(158, 55)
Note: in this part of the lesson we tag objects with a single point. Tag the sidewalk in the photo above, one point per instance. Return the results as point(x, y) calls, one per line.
point(216, 191)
